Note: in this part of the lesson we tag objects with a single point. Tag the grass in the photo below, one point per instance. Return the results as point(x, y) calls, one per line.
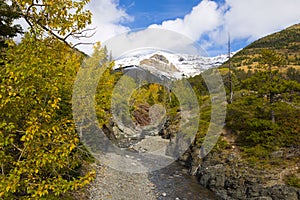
point(292, 180)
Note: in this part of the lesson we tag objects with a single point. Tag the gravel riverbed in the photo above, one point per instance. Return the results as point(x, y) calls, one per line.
point(169, 182)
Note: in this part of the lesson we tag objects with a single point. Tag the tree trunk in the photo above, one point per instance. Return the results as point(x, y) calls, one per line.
point(271, 94)
point(271, 104)
point(229, 73)
point(272, 116)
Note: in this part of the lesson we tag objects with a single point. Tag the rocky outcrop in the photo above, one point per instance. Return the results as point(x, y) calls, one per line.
point(228, 176)
point(160, 62)
point(145, 118)
point(239, 182)
point(120, 136)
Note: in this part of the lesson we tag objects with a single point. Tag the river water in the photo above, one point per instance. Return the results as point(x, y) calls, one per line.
point(173, 182)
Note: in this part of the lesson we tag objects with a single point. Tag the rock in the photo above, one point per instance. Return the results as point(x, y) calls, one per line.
point(231, 157)
point(204, 179)
point(143, 150)
point(164, 194)
point(284, 192)
point(261, 198)
point(231, 178)
point(220, 181)
point(277, 154)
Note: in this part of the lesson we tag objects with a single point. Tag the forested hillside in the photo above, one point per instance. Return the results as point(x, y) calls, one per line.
point(263, 116)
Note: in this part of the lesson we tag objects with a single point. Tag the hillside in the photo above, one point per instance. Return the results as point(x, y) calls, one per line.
point(258, 153)
point(285, 42)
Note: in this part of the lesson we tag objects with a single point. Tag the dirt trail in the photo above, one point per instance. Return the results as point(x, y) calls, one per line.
point(117, 185)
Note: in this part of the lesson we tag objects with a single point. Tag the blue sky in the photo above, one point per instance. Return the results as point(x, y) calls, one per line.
point(204, 21)
point(147, 12)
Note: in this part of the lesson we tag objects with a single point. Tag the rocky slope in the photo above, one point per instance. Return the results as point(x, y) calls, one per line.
point(230, 177)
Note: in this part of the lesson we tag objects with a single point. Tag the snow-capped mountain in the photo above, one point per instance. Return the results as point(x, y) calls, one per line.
point(171, 65)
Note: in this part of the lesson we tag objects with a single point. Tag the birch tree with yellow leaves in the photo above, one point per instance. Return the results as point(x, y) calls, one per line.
point(40, 152)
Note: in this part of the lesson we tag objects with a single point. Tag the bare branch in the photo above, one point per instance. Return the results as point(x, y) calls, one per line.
point(32, 22)
point(22, 152)
point(17, 147)
point(2, 170)
point(40, 5)
point(83, 43)
point(81, 34)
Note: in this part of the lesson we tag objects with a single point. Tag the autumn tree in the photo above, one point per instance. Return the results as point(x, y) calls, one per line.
point(39, 146)
point(40, 151)
point(60, 19)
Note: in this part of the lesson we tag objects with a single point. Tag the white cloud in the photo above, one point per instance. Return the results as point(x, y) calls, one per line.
point(151, 39)
point(244, 19)
point(252, 19)
point(24, 25)
point(176, 35)
point(203, 17)
point(257, 18)
point(107, 19)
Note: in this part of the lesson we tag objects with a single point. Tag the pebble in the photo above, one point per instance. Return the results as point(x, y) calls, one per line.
point(164, 194)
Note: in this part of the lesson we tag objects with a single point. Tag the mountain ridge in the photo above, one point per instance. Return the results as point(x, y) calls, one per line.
point(172, 65)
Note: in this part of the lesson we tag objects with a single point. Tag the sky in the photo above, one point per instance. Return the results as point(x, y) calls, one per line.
point(206, 22)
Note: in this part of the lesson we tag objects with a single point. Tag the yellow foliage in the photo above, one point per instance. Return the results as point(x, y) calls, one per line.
point(49, 15)
point(38, 140)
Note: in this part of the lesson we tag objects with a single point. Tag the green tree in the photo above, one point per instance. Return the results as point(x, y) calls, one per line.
point(271, 62)
point(265, 95)
point(8, 13)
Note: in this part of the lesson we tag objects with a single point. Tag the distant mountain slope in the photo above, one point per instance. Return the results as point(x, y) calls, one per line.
point(171, 65)
point(285, 42)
